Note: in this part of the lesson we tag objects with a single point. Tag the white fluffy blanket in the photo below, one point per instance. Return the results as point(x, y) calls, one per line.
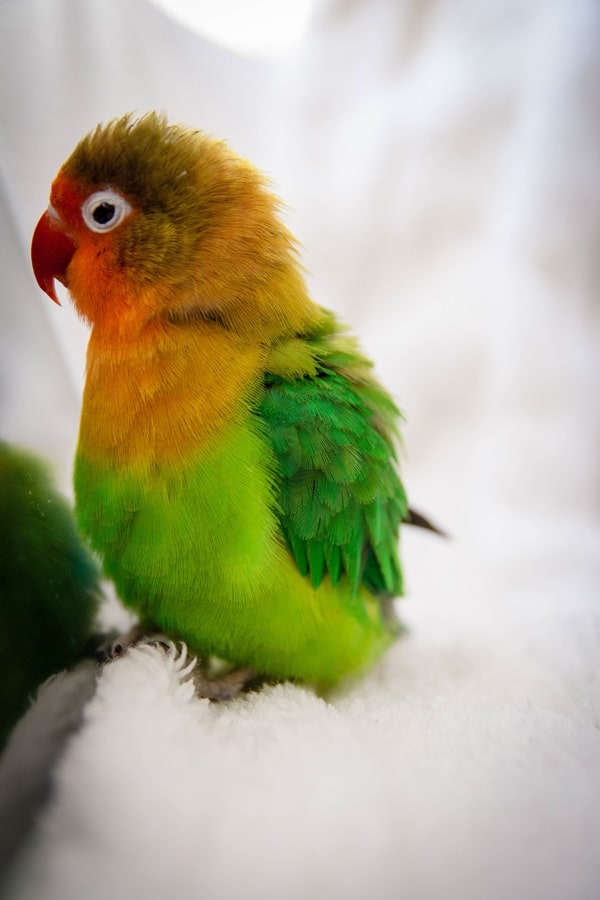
point(440, 161)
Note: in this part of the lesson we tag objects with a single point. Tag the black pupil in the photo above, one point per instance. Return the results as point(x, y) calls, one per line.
point(104, 212)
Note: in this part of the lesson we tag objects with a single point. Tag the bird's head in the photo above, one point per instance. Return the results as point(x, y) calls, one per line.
point(150, 221)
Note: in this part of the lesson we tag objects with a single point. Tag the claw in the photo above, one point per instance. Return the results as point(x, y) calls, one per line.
point(223, 687)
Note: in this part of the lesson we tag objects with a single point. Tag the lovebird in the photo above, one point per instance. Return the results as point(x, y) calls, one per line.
point(49, 583)
point(236, 468)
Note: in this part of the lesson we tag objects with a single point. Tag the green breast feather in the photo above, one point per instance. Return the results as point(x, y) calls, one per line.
point(333, 429)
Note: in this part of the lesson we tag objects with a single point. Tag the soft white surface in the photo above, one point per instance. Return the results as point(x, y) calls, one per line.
point(440, 161)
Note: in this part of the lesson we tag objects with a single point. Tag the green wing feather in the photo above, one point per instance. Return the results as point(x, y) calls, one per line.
point(334, 432)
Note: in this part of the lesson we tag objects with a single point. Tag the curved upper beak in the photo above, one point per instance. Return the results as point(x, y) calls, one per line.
point(51, 252)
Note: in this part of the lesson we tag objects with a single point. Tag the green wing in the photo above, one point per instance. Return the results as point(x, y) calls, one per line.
point(334, 429)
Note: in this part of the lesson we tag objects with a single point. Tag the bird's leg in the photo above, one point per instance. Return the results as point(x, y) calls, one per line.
point(225, 687)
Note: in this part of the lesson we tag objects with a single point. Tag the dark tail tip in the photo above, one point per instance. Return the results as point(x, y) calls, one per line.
point(415, 518)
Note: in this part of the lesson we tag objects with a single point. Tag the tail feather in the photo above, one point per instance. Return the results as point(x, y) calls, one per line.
point(415, 518)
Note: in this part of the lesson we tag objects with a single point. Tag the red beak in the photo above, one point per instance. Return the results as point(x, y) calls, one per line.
point(51, 252)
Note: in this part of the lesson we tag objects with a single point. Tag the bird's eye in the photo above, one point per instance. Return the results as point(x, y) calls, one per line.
point(104, 210)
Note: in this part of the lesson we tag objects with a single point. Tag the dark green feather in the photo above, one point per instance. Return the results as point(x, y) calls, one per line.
point(49, 583)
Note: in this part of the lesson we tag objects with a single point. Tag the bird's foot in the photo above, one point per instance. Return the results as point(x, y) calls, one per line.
point(117, 646)
point(207, 685)
point(225, 687)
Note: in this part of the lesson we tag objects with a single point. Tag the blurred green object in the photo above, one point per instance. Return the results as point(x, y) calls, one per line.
point(49, 583)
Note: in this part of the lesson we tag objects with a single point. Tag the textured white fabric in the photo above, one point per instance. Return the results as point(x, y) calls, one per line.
point(440, 164)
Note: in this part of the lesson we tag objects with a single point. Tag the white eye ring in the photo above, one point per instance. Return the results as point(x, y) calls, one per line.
point(104, 210)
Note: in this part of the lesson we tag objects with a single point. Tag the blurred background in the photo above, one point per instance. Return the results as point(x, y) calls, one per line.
point(439, 163)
